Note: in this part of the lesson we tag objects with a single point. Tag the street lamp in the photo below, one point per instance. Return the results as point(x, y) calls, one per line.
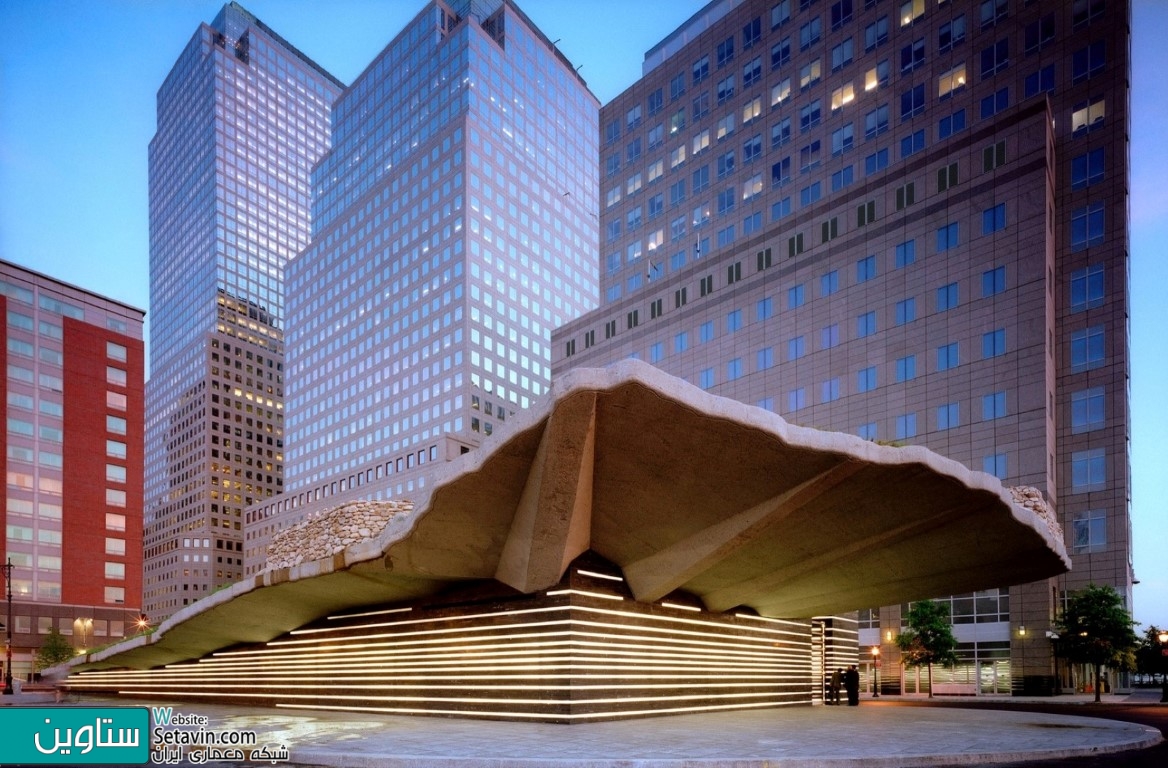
point(1163, 638)
point(875, 672)
point(8, 631)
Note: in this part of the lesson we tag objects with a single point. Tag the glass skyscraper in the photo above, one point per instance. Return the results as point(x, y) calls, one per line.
point(453, 230)
point(454, 227)
point(242, 118)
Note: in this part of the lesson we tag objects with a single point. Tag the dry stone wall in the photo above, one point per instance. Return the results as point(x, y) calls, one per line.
point(323, 534)
point(1032, 499)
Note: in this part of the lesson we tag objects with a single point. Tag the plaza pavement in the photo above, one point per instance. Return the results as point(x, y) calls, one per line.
point(877, 733)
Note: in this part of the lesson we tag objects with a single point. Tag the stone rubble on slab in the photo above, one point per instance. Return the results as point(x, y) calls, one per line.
point(325, 533)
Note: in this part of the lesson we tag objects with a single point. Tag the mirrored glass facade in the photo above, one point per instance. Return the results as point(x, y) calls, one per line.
point(242, 118)
point(454, 228)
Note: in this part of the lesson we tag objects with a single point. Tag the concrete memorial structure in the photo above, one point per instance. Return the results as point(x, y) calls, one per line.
point(630, 545)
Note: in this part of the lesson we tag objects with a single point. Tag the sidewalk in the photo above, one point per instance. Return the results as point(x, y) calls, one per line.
point(877, 733)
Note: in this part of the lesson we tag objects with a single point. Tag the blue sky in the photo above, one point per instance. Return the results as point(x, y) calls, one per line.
point(78, 80)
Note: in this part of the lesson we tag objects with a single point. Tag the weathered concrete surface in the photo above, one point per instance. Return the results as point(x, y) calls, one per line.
point(682, 490)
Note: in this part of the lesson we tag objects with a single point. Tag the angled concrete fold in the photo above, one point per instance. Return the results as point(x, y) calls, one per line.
point(682, 490)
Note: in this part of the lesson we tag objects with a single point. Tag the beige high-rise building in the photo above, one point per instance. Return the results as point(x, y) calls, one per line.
point(903, 220)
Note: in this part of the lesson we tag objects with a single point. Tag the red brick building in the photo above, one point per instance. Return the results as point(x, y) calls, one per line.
point(73, 410)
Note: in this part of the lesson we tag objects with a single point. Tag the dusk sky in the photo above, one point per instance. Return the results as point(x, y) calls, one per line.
point(77, 110)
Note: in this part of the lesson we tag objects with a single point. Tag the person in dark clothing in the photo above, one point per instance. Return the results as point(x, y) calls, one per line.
point(852, 685)
point(833, 689)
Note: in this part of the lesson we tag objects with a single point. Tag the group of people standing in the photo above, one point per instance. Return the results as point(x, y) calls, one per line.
point(850, 678)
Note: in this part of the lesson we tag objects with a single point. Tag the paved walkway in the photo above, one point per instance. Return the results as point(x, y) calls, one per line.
point(873, 734)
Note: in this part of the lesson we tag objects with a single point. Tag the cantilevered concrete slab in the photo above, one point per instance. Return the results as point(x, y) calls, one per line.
point(682, 490)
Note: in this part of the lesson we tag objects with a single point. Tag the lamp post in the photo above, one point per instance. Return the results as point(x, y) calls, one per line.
point(1163, 638)
point(875, 671)
point(8, 631)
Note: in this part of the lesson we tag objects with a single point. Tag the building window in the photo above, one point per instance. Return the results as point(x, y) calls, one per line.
point(995, 464)
point(1087, 226)
point(906, 426)
point(706, 378)
point(993, 343)
point(865, 269)
point(1087, 115)
point(842, 178)
point(734, 369)
point(1038, 33)
point(995, 58)
point(912, 143)
point(912, 55)
point(810, 194)
point(842, 139)
point(796, 399)
point(765, 358)
point(948, 237)
point(830, 391)
point(950, 81)
point(876, 122)
point(1038, 82)
point(842, 55)
point(1087, 348)
point(781, 53)
point(1089, 531)
point(912, 102)
point(763, 309)
point(876, 33)
point(993, 406)
point(866, 379)
point(877, 76)
point(906, 368)
point(951, 124)
point(995, 103)
point(1088, 61)
point(866, 324)
point(906, 311)
point(993, 219)
point(1088, 470)
point(906, 195)
point(876, 162)
point(993, 281)
point(1087, 410)
point(781, 208)
point(681, 342)
point(829, 336)
point(948, 356)
point(993, 156)
point(795, 296)
point(810, 33)
point(796, 348)
point(116, 351)
point(829, 283)
point(1087, 288)
point(947, 297)
point(1087, 169)
point(951, 33)
point(867, 431)
point(948, 416)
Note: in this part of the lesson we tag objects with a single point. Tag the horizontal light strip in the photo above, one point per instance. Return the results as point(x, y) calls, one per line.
point(596, 575)
point(407, 622)
point(534, 715)
point(681, 607)
point(583, 593)
point(688, 685)
point(456, 699)
point(343, 616)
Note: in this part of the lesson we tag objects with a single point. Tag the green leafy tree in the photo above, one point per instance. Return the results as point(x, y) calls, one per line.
point(1149, 657)
point(54, 650)
point(928, 639)
point(1096, 629)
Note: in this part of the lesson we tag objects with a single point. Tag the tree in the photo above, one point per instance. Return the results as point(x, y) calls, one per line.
point(53, 651)
point(929, 638)
point(1149, 657)
point(1096, 629)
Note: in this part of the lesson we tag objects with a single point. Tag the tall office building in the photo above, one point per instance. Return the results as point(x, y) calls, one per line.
point(907, 221)
point(242, 118)
point(453, 228)
point(73, 462)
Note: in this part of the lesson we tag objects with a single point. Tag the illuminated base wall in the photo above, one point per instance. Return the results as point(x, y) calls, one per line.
point(583, 651)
